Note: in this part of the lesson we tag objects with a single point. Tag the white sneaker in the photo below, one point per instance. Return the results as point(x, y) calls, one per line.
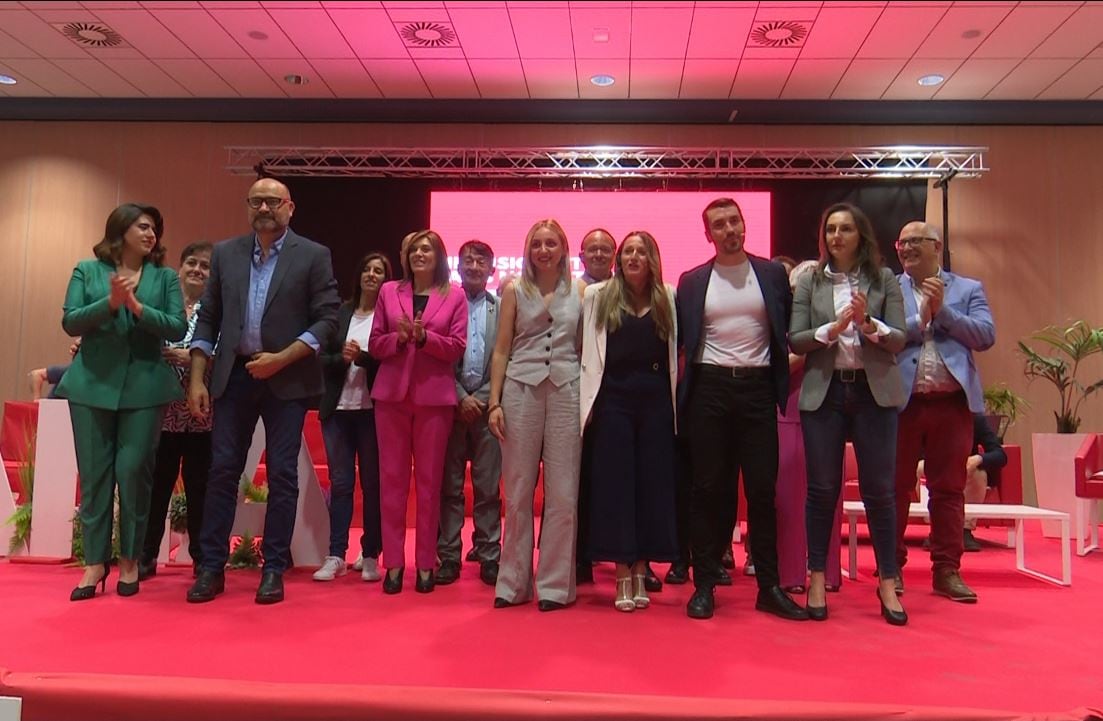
point(332, 568)
point(358, 564)
point(370, 569)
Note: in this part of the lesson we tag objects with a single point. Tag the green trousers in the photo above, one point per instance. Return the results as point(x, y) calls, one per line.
point(114, 449)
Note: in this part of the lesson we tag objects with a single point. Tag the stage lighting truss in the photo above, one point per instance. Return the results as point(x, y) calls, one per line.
point(905, 162)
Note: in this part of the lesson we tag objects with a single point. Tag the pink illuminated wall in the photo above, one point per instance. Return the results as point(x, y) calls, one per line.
point(501, 219)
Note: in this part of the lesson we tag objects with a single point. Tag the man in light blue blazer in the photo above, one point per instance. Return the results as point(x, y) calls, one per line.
point(948, 319)
point(471, 440)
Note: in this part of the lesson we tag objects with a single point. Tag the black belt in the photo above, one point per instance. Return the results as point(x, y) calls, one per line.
point(850, 375)
point(735, 372)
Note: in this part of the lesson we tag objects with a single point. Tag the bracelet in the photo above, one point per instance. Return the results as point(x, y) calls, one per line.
point(495, 407)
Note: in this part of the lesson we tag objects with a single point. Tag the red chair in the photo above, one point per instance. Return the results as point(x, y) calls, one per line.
point(1088, 465)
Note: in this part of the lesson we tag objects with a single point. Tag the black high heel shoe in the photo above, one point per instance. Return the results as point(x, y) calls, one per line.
point(393, 584)
point(425, 584)
point(895, 618)
point(83, 593)
point(126, 588)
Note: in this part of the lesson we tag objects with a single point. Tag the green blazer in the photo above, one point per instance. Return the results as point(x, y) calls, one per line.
point(119, 364)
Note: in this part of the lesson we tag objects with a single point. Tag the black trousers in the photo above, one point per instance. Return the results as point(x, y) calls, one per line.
point(732, 428)
point(178, 454)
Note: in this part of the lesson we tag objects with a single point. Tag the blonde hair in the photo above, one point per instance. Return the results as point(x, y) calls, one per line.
point(613, 301)
point(527, 280)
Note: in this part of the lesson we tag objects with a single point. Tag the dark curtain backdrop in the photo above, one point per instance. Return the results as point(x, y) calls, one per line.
point(355, 216)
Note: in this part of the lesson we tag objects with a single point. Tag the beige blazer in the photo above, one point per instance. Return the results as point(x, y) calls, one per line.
point(814, 305)
point(593, 353)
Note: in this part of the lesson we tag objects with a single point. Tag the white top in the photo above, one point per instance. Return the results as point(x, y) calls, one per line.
point(737, 329)
point(849, 354)
point(355, 394)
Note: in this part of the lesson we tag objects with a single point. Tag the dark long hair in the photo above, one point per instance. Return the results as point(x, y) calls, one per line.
point(388, 273)
point(110, 249)
point(869, 256)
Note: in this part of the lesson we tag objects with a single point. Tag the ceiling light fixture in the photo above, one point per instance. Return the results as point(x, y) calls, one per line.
point(293, 79)
point(931, 80)
point(602, 81)
point(601, 35)
point(258, 35)
point(970, 34)
point(7, 80)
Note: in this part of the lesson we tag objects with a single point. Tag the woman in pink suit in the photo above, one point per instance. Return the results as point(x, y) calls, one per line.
point(418, 334)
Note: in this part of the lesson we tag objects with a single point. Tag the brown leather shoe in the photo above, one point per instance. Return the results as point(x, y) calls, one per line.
point(948, 583)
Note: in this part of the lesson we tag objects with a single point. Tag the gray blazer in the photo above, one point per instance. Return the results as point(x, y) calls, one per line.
point(814, 305)
point(301, 297)
point(483, 391)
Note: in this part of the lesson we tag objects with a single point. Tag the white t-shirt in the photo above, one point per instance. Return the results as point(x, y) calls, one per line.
point(355, 394)
point(737, 329)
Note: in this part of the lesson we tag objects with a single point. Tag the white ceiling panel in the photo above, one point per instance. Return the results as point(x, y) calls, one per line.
point(448, 78)
point(1024, 29)
point(279, 68)
point(550, 78)
point(660, 32)
point(12, 48)
point(199, 31)
point(484, 32)
point(370, 33)
point(346, 77)
point(1079, 35)
point(975, 78)
point(542, 32)
point(51, 78)
point(962, 30)
point(313, 33)
point(867, 79)
point(240, 23)
point(1030, 78)
point(814, 78)
point(99, 77)
point(587, 19)
point(143, 31)
point(417, 12)
point(839, 31)
point(197, 77)
point(396, 78)
point(246, 77)
point(655, 78)
point(37, 35)
point(496, 78)
point(1081, 81)
point(589, 67)
point(906, 85)
point(147, 77)
point(900, 30)
point(711, 78)
point(719, 32)
point(25, 87)
point(761, 79)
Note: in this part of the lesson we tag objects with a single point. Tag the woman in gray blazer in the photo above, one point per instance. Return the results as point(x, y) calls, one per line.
point(848, 318)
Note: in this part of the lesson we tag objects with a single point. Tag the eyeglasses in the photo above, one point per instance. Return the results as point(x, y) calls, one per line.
point(272, 203)
point(912, 242)
point(476, 260)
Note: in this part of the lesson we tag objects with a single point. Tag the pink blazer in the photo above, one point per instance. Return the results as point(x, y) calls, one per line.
point(426, 374)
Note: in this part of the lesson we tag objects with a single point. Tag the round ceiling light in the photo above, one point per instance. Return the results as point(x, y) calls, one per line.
point(931, 80)
point(7, 80)
point(602, 80)
point(293, 79)
point(258, 35)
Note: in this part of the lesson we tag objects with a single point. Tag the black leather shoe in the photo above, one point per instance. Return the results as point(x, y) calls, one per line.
point(488, 572)
point(584, 572)
point(817, 613)
point(270, 589)
point(774, 600)
point(208, 584)
point(500, 602)
point(678, 573)
point(392, 584)
point(546, 605)
point(147, 569)
point(701, 604)
point(728, 559)
point(127, 588)
point(724, 579)
point(651, 582)
point(424, 582)
point(969, 541)
point(895, 618)
point(471, 556)
point(449, 572)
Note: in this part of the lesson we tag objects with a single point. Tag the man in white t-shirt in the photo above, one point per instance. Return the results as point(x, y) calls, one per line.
point(733, 322)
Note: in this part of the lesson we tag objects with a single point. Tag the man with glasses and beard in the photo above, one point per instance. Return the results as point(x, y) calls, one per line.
point(270, 302)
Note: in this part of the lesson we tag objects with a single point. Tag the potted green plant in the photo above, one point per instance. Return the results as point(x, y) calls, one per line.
point(1003, 406)
point(1058, 354)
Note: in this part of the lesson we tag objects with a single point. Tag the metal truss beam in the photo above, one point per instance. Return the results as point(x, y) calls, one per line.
point(884, 162)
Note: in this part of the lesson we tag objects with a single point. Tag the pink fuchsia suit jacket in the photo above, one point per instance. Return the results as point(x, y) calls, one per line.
point(425, 375)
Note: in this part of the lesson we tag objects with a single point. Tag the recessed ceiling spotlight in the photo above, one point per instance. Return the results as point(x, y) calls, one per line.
point(970, 34)
point(602, 80)
point(293, 79)
point(258, 35)
point(7, 80)
point(601, 35)
point(932, 79)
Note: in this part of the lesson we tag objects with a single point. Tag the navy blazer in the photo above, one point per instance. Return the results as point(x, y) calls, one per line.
point(301, 297)
point(692, 287)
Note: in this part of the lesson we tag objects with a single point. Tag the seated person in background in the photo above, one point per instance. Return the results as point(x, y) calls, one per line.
point(50, 375)
point(982, 471)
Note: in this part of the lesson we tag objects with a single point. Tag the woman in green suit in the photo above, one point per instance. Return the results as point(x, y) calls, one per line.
point(123, 304)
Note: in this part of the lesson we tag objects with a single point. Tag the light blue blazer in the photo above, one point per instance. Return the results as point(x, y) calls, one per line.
point(963, 325)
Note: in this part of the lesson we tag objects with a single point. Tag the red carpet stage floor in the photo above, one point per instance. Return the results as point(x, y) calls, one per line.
point(345, 650)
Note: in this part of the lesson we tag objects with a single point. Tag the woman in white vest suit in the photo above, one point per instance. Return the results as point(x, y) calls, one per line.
point(629, 377)
point(848, 318)
point(533, 412)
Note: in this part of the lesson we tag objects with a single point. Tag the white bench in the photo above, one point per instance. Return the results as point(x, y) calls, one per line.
point(991, 511)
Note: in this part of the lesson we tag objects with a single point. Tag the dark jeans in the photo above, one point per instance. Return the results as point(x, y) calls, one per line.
point(732, 428)
point(187, 455)
point(850, 411)
point(236, 412)
point(350, 442)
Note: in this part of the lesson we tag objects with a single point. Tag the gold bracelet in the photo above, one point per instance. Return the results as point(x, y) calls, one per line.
point(495, 407)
